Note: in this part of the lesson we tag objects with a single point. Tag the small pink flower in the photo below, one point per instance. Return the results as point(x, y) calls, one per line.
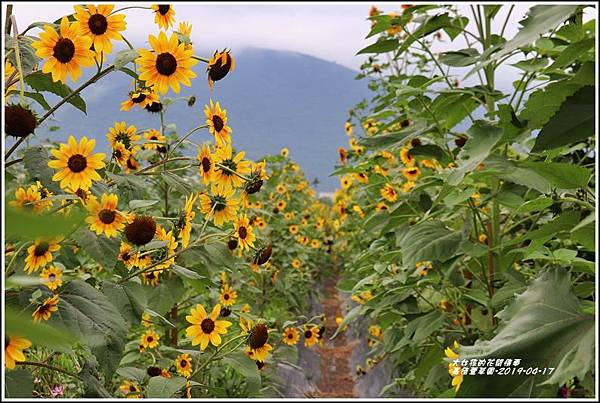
point(57, 391)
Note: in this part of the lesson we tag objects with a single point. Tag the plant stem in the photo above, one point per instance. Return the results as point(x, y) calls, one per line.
point(18, 59)
point(181, 140)
point(48, 366)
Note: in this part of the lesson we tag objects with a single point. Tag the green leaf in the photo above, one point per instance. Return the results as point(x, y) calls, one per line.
point(43, 82)
point(459, 58)
point(572, 53)
point(349, 317)
point(139, 204)
point(247, 369)
point(134, 373)
point(429, 240)
point(186, 273)
point(544, 327)
point(162, 297)
point(36, 163)
point(40, 334)
point(100, 248)
point(164, 387)
point(87, 311)
point(29, 60)
point(483, 138)
point(18, 383)
point(128, 298)
point(124, 57)
point(36, 96)
point(382, 46)
point(177, 182)
point(560, 174)
point(432, 24)
point(573, 122)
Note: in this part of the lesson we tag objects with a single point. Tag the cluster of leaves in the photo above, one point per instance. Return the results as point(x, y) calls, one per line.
point(467, 213)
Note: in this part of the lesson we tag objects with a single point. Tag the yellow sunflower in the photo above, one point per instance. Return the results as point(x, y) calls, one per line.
point(185, 30)
point(408, 186)
point(127, 255)
point(13, 350)
point(227, 296)
point(52, 277)
point(186, 218)
point(389, 193)
point(169, 64)
point(219, 66)
point(45, 309)
point(10, 73)
point(76, 164)
point(121, 133)
point(284, 152)
point(40, 254)
point(361, 177)
point(293, 229)
point(411, 173)
point(221, 204)
point(406, 158)
point(156, 141)
point(453, 369)
point(151, 278)
point(281, 205)
point(130, 390)
point(66, 51)
point(381, 206)
point(121, 154)
point(348, 128)
point(258, 349)
point(32, 198)
point(296, 263)
point(205, 163)
point(244, 233)
point(216, 120)
point(101, 25)
point(183, 363)
point(229, 169)
point(291, 336)
point(346, 181)
point(150, 339)
point(245, 308)
point(169, 249)
point(104, 217)
point(206, 329)
point(315, 244)
point(164, 15)
point(311, 335)
point(141, 97)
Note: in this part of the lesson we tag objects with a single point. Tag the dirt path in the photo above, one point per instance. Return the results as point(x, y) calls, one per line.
point(336, 375)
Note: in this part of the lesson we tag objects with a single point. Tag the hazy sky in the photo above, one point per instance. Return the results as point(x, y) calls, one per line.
point(331, 31)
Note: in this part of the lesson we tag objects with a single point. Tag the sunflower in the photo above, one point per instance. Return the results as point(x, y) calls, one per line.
point(245, 308)
point(356, 208)
point(411, 173)
point(454, 369)
point(260, 223)
point(432, 164)
point(258, 349)
point(45, 309)
point(101, 25)
point(228, 296)
point(156, 141)
point(206, 328)
point(127, 256)
point(76, 164)
point(164, 15)
point(29, 198)
point(311, 335)
point(375, 331)
point(219, 66)
point(408, 186)
point(140, 230)
point(121, 133)
point(10, 74)
point(168, 250)
point(406, 158)
point(147, 320)
point(40, 254)
point(281, 205)
point(294, 229)
point(284, 152)
point(389, 193)
point(229, 170)
point(216, 120)
point(221, 204)
point(348, 128)
point(423, 267)
point(52, 277)
point(141, 97)
point(315, 243)
point(185, 31)
point(121, 154)
point(13, 350)
point(346, 181)
point(381, 206)
point(104, 217)
point(151, 277)
point(130, 389)
point(183, 363)
point(66, 51)
point(205, 163)
point(244, 233)
point(185, 220)
point(296, 263)
point(291, 336)
point(169, 64)
point(150, 339)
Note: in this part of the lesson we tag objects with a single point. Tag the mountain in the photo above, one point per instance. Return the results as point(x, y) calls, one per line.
point(274, 99)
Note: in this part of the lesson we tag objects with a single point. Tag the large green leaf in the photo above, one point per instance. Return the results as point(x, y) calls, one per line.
point(43, 82)
point(40, 334)
point(573, 122)
point(483, 138)
point(18, 383)
point(102, 249)
point(128, 298)
point(382, 46)
point(36, 163)
point(561, 175)
point(544, 327)
point(29, 60)
point(247, 369)
point(26, 225)
point(429, 240)
point(572, 52)
point(88, 312)
point(459, 58)
point(159, 386)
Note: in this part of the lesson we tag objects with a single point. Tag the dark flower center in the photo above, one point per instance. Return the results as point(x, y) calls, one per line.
point(307, 334)
point(19, 121)
point(225, 312)
point(41, 248)
point(138, 98)
point(217, 123)
point(218, 70)
point(132, 388)
point(166, 64)
point(219, 203)
point(43, 309)
point(77, 163)
point(124, 138)
point(131, 163)
point(118, 154)
point(64, 50)
point(126, 256)
point(149, 339)
point(207, 325)
point(228, 164)
point(259, 336)
point(154, 107)
point(150, 276)
point(183, 363)
point(225, 296)
point(107, 216)
point(290, 335)
point(163, 9)
point(98, 24)
point(52, 277)
point(232, 244)
point(243, 232)
point(206, 164)
point(141, 230)
point(153, 371)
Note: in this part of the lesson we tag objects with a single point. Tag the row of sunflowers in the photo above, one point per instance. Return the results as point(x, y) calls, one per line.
point(171, 266)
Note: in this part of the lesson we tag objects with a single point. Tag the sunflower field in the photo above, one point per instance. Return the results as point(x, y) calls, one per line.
point(457, 255)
